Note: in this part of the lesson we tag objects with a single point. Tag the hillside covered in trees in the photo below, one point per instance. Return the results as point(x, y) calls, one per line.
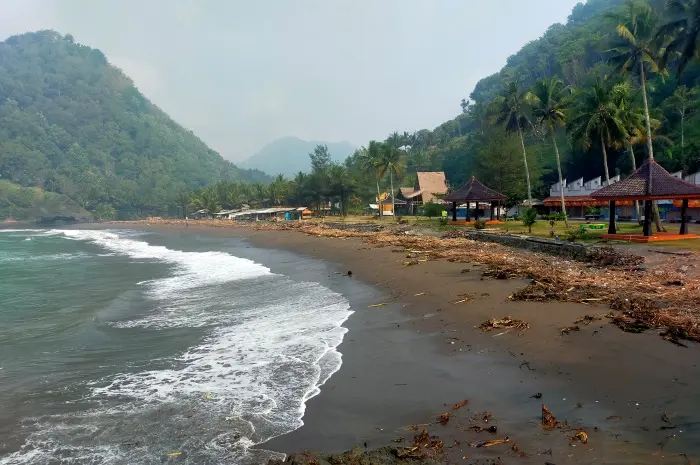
point(74, 125)
point(577, 94)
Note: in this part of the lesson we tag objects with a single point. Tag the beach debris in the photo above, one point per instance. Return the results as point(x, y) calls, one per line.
point(588, 319)
point(666, 418)
point(423, 447)
point(486, 416)
point(419, 294)
point(410, 262)
point(548, 420)
point(382, 304)
point(444, 418)
point(349, 273)
point(629, 324)
point(493, 442)
point(614, 418)
point(537, 395)
point(466, 299)
point(674, 282)
point(527, 365)
point(580, 435)
point(568, 329)
point(461, 404)
point(479, 429)
point(174, 454)
point(416, 427)
point(504, 323)
point(674, 335)
point(397, 440)
point(208, 396)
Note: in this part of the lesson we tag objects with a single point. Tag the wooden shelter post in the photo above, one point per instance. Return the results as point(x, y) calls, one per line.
point(467, 216)
point(612, 228)
point(647, 217)
point(491, 211)
point(684, 217)
point(454, 211)
point(498, 210)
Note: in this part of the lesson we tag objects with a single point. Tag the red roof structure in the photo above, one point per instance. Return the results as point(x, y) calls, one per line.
point(474, 191)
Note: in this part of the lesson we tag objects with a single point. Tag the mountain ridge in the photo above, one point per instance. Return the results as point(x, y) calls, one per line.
point(73, 124)
point(289, 155)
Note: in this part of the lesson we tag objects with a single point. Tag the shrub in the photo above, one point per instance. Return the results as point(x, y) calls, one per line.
point(432, 209)
point(443, 221)
point(479, 224)
point(574, 234)
point(530, 218)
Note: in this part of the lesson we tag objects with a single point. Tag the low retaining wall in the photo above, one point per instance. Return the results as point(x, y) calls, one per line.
point(369, 227)
point(568, 250)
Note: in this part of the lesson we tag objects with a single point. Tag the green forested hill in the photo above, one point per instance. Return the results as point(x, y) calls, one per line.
point(72, 124)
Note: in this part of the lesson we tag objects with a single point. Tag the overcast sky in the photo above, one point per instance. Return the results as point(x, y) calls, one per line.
point(241, 73)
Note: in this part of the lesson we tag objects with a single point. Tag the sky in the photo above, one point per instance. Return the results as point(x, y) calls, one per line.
point(242, 73)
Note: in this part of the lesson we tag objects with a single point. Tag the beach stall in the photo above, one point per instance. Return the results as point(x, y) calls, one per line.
point(472, 194)
point(648, 183)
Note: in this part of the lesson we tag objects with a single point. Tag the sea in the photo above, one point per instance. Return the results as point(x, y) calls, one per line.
point(136, 347)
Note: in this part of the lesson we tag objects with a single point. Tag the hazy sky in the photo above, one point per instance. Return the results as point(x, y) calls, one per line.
point(243, 73)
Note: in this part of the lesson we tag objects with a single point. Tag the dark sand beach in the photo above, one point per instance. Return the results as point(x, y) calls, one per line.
point(407, 362)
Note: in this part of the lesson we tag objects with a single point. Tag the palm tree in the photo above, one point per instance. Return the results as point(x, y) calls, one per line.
point(184, 198)
point(682, 102)
point(510, 110)
point(277, 190)
point(683, 27)
point(638, 49)
point(632, 117)
point(299, 187)
point(207, 199)
point(392, 161)
point(341, 183)
point(597, 118)
point(371, 162)
point(259, 194)
point(549, 105)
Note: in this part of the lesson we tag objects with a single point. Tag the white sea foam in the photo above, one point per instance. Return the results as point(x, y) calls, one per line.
point(270, 344)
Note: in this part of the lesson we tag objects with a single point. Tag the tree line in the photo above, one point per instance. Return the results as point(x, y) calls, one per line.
point(616, 85)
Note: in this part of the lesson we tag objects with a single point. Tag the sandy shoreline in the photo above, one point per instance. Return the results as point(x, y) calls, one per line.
point(404, 361)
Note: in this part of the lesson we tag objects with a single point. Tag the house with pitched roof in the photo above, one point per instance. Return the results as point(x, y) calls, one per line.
point(430, 187)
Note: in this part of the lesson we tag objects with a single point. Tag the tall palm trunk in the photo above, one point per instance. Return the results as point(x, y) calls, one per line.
point(527, 171)
point(379, 198)
point(605, 158)
point(393, 204)
point(630, 149)
point(561, 179)
point(650, 147)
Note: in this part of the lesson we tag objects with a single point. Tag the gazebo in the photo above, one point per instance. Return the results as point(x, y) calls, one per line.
point(475, 191)
point(648, 183)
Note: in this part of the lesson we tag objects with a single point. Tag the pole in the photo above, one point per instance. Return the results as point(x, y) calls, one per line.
point(647, 218)
point(684, 223)
point(612, 229)
point(454, 211)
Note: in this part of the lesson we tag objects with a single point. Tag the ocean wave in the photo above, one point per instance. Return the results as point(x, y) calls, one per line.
point(270, 344)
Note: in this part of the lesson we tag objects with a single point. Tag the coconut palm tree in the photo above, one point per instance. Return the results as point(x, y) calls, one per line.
point(299, 187)
point(371, 160)
point(550, 101)
point(682, 102)
point(632, 116)
point(597, 119)
point(277, 190)
point(638, 49)
point(393, 163)
point(683, 27)
point(510, 110)
point(340, 184)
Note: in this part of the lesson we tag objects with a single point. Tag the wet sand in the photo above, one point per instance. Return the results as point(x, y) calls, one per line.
point(403, 362)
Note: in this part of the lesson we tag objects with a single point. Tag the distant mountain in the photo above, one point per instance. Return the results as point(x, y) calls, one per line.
point(72, 124)
point(289, 155)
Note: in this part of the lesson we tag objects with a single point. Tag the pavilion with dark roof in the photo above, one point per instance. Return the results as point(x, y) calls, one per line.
point(475, 191)
point(648, 183)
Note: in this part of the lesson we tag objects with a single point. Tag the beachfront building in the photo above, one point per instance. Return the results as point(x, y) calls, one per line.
point(477, 198)
point(578, 200)
point(430, 187)
point(273, 213)
point(649, 183)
